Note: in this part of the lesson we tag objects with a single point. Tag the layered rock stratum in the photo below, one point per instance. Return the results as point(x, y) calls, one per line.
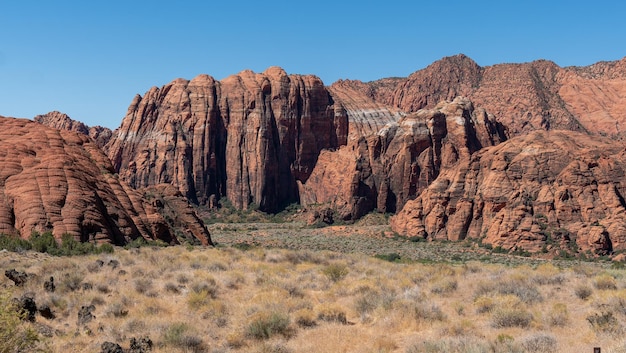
point(60, 181)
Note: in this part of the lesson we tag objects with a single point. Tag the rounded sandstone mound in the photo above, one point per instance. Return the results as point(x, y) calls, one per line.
point(60, 181)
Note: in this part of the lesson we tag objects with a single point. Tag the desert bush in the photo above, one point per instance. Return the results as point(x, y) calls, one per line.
point(511, 317)
point(103, 288)
point(143, 285)
point(117, 310)
point(391, 257)
point(445, 285)
point(605, 322)
point(305, 318)
point(335, 271)
point(458, 328)
point(583, 291)
point(217, 267)
point(177, 335)
point(196, 300)
point(171, 288)
point(426, 312)
point(182, 279)
point(332, 313)
point(209, 286)
point(15, 334)
point(548, 274)
point(367, 302)
point(273, 348)
point(604, 282)
point(451, 345)
point(540, 343)
point(264, 325)
point(526, 292)
point(484, 304)
point(71, 281)
point(558, 315)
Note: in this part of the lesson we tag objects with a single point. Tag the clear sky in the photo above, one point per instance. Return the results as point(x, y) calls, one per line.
point(89, 58)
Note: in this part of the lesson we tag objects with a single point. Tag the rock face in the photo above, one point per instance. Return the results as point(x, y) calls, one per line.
point(384, 170)
point(60, 181)
point(101, 135)
point(524, 97)
point(541, 188)
point(249, 137)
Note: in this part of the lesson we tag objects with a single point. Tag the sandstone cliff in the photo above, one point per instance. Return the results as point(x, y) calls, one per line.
point(271, 139)
point(541, 188)
point(249, 137)
point(384, 170)
point(524, 97)
point(101, 135)
point(60, 181)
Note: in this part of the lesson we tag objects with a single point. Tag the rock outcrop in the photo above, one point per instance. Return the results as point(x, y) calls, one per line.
point(524, 97)
point(249, 137)
point(101, 135)
point(532, 192)
point(384, 170)
point(60, 181)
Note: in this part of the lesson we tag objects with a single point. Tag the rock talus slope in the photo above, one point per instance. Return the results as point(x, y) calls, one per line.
point(60, 181)
point(538, 189)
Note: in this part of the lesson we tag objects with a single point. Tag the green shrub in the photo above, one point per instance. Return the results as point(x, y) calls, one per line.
point(335, 271)
point(44, 242)
point(15, 244)
point(176, 335)
point(265, 325)
point(391, 257)
point(15, 334)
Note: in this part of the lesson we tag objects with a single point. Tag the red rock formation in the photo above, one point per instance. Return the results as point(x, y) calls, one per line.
point(249, 137)
point(539, 188)
point(384, 170)
point(101, 135)
point(257, 138)
point(60, 181)
point(524, 97)
point(365, 116)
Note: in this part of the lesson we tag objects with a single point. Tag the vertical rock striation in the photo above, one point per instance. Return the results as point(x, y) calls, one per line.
point(249, 137)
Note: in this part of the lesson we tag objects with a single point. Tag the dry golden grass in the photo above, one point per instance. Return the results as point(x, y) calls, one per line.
point(276, 300)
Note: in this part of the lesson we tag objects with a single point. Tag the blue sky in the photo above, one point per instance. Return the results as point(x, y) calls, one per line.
point(89, 58)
